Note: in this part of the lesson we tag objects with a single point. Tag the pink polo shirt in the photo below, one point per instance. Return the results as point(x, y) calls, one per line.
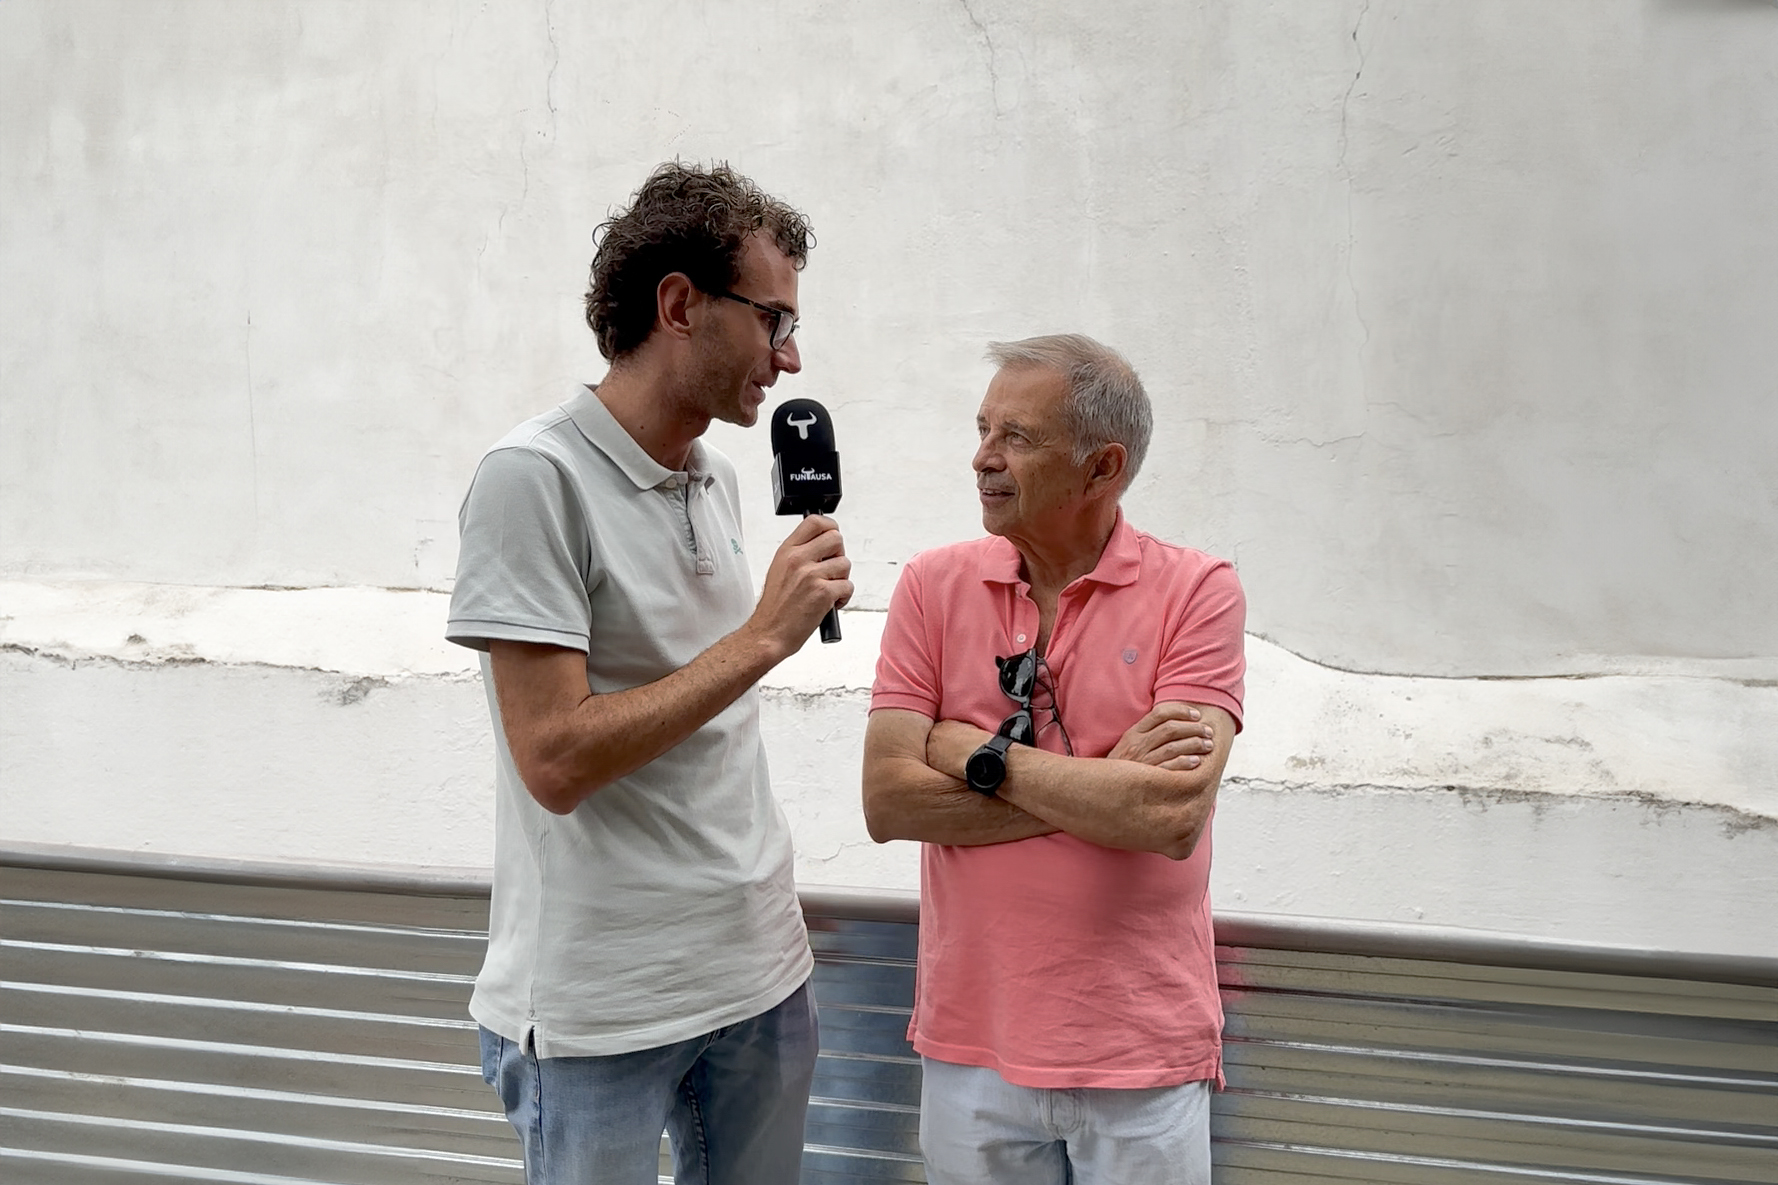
point(1055, 961)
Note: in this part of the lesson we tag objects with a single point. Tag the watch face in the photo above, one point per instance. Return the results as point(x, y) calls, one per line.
point(985, 769)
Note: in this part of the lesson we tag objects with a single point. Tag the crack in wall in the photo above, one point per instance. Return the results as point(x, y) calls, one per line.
point(837, 851)
point(354, 691)
point(1370, 672)
point(1285, 441)
point(549, 82)
point(805, 699)
point(810, 697)
point(988, 44)
point(157, 660)
point(1346, 171)
point(347, 688)
point(1735, 821)
point(74, 660)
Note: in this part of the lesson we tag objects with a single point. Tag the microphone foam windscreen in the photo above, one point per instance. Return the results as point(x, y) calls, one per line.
point(805, 465)
point(801, 425)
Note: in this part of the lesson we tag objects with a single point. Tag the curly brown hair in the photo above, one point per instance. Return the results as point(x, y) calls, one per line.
point(684, 219)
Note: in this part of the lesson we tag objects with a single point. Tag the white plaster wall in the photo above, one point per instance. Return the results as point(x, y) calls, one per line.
point(1457, 320)
point(1458, 315)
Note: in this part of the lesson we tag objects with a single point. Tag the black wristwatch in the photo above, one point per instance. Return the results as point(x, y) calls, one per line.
point(986, 767)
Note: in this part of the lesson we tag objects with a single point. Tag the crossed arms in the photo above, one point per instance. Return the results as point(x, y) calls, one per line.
point(1152, 793)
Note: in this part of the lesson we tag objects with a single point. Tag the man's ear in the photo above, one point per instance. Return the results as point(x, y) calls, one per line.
point(677, 304)
point(1105, 470)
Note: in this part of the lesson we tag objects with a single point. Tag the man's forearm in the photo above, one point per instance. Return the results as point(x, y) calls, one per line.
point(600, 738)
point(1113, 803)
point(908, 799)
point(1108, 801)
point(905, 798)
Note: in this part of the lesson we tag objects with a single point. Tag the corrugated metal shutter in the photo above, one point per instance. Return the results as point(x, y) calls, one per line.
point(223, 1024)
point(1347, 1067)
point(864, 1105)
point(157, 1028)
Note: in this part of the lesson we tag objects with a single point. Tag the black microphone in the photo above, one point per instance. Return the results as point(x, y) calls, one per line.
point(806, 471)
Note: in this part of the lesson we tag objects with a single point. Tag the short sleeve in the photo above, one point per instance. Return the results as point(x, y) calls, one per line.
point(907, 675)
point(1204, 661)
point(524, 558)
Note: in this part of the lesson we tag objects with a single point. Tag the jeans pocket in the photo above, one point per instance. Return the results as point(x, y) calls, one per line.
point(491, 1051)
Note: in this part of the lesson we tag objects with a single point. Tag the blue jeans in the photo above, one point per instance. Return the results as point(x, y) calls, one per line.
point(976, 1128)
point(733, 1102)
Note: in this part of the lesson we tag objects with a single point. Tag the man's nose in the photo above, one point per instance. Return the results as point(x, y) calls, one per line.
point(786, 358)
point(987, 457)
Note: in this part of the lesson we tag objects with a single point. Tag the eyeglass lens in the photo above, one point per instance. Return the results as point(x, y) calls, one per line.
point(783, 325)
point(1019, 727)
point(1018, 676)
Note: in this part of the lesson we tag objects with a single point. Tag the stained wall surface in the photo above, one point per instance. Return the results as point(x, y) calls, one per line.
point(1457, 320)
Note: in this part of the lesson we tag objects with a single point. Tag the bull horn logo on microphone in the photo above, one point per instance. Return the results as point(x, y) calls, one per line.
point(801, 426)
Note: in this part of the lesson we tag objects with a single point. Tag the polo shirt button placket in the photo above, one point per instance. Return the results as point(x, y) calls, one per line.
point(1024, 622)
point(706, 565)
point(677, 490)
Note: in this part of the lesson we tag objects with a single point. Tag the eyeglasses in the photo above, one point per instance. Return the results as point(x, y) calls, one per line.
point(1026, 679)
point(784, 322)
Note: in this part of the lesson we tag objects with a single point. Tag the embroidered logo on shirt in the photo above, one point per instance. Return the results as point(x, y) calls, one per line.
point(1129, 656)
point(735, 543)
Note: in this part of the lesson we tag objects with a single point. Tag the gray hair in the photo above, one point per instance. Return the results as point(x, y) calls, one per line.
point(1105, 403)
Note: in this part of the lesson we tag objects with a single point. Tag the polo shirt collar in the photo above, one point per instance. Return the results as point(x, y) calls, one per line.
point(602, 430)
point(1119, 564)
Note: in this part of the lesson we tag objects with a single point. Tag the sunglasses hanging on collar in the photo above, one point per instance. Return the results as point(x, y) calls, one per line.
point(1027, 680)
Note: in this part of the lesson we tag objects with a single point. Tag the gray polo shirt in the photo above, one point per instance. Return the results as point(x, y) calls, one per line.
point(663, 906)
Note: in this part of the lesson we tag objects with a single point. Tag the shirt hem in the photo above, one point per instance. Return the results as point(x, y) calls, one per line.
point(547, 1040)
point(1072, 1077)
point(905, 703)
point(477, 634)
point(1199, 694)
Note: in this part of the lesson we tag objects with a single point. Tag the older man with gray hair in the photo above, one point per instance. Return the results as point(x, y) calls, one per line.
point(1053, 708)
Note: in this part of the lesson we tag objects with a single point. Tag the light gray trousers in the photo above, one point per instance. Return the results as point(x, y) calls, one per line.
point(978, 1129)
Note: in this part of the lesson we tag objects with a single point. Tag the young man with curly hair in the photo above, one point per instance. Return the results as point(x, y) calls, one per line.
point(647, 963)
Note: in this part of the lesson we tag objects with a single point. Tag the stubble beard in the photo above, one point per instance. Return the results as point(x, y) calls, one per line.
point(714, 389)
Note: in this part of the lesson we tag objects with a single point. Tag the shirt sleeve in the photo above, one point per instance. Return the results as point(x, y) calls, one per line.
point(523, 566)
point(1205, 661)
point(907, 674)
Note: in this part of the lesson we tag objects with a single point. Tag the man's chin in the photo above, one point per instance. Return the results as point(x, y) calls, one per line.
point(744, 416)
point(747, 409)
point(997, 514)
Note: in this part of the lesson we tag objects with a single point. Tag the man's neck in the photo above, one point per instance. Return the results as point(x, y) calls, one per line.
point(646, 402)
point(1064, 557)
